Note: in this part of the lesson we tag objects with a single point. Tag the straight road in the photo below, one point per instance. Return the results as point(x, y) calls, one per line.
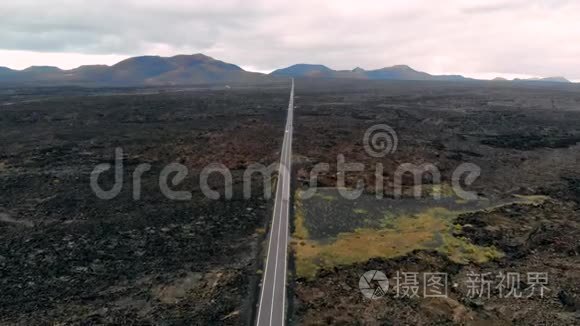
point(272, 309)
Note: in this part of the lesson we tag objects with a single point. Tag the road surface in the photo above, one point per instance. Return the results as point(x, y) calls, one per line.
point(272, 309)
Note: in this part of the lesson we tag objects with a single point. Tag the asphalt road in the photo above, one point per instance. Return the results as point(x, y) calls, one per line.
point(272, 309)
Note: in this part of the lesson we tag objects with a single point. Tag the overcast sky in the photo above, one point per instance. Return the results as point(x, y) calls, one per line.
point(475, 38)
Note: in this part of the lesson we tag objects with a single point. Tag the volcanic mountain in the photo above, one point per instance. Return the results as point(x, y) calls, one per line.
point(556, 79)
point(398, 72)
point(144, 70)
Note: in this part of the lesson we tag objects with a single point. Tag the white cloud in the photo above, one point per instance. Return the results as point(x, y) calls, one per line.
point(479, 37)
point(23, 59)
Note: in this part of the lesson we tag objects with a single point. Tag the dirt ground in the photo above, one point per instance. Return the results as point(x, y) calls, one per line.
point(525, 140)
point(68, 257)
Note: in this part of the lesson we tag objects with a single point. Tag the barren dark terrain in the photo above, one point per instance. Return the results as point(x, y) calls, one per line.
point(68, 257)
point(526, 141)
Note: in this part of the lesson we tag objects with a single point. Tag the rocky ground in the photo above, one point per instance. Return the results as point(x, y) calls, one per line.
point(68, 257)
point(524, 140)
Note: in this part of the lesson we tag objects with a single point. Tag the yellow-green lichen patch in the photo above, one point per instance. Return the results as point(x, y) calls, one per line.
point(532, 199)
point(327, 198)
point(300, 230)
point(390, 231)
point(462, 251)
point(405, 234)
point(442, 190)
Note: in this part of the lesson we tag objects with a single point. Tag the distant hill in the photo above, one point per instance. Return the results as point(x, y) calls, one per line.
point(398, 72)
point(557, 79)
point(144, 70)
point(305, 70)
point(6, 71)
point(534, 80)
point(42, 70)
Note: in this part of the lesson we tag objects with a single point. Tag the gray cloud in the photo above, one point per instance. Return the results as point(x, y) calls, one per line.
point(509, 37)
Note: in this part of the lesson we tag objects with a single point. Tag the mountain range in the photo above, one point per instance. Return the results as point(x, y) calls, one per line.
point(143, 70)
point(201, 69)
point(398, 72)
